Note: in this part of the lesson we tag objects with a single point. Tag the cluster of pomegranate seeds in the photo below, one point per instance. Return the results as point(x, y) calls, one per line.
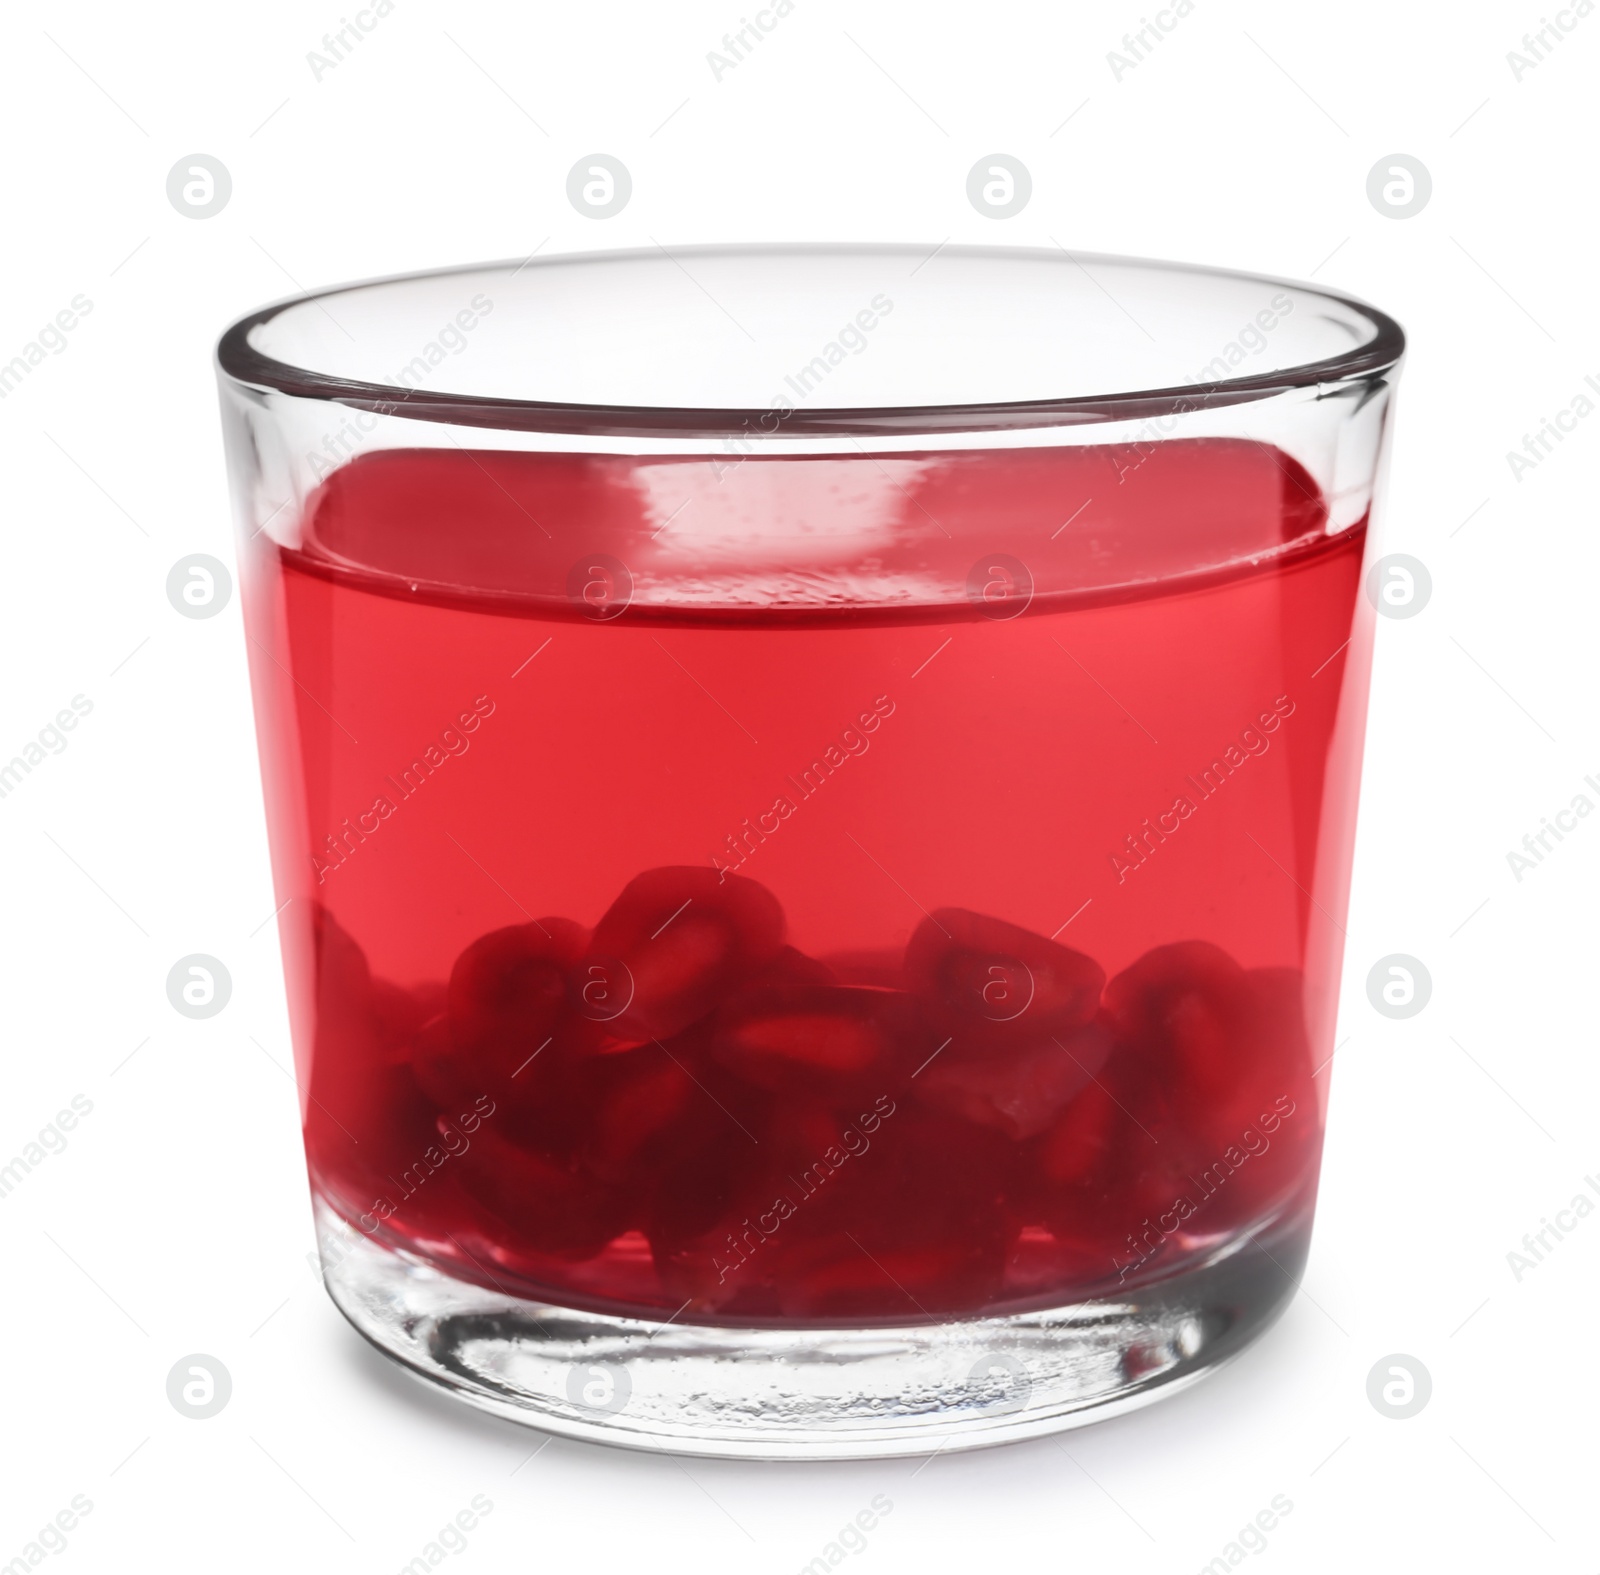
point(868, 1136)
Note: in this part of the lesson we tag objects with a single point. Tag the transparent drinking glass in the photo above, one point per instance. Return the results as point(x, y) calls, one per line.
point(812, 791)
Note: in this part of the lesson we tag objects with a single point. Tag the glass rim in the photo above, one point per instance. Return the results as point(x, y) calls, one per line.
point(240, 361)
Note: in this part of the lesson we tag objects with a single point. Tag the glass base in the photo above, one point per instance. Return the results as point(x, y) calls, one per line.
point(810, 1394)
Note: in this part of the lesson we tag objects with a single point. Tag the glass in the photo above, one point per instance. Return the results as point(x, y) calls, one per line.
point(812, 792)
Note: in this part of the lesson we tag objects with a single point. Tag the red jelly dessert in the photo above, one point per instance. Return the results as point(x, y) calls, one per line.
point(693, 913)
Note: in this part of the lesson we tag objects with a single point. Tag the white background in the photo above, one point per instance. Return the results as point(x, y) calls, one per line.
point(176, 1220)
